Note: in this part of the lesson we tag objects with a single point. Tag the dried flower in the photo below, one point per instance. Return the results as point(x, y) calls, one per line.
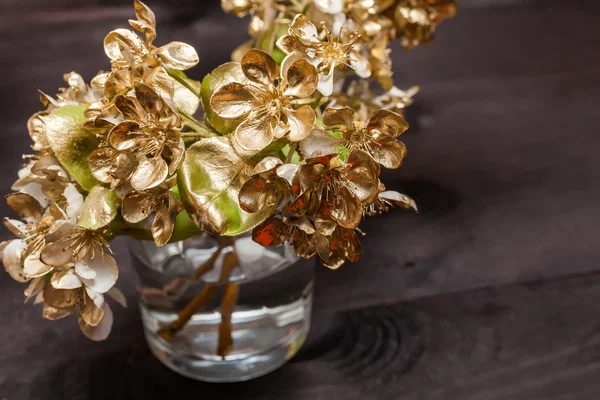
point(327, 55)
point(265, 101)
point(377, 136)
point(137, 147)
point(416, 20)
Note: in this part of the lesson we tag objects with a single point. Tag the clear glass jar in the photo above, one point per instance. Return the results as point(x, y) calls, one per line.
point(270, 320)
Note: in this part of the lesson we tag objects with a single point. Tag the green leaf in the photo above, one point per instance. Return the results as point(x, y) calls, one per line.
point(187, 92)
point(99, 208)
point(71, 142)
point(209, 181)
point(184, 227)
point(226, 73)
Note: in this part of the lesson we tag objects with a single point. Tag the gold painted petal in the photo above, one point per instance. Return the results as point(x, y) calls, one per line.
point(256, 132)
point(335, 116)
point(137, 206)
point(300, 75)
point(177, 55)
point(318, 143)
point(149, 173)
point(150, 101)
point(91, 314)
point(363, 177)
point(388, 152)
point(325, 226)
point(158, 79)
point(287, 172)
point(54, 314)
point(34, 268)
point(115, 39)
point(66, 279)
point(164, 222)
point(25, 205)
point(304, 29)
point(83, 270)
point(347, 211)
point(272, 232)
point(106, 270)
point(12, 260)
point(118, 296)
point(35, 287)
point(74, 201)
point(128, 107)
point(177, 156)
point(260, 67)
point(97, 298)
point(124, 136)
point(146, 21)
point(330, 6)
point(266, 164)
point(16, 227)
point(61, 298)
point(258, 193)
point(101, 164)
point(102, 330)
point(361, 65)
point(399, 199)
point(233, 101)
point(58, 254)
point(59, 230)
point(387, 122)
point(291, 44)
point(301, 122)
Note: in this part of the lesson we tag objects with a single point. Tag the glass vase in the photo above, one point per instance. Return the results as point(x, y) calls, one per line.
point(194, 325)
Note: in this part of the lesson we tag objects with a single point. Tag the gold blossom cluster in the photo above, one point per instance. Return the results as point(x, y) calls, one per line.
point(289, 145)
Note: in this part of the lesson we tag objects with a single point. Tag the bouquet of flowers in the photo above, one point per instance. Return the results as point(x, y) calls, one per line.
point(292, 137)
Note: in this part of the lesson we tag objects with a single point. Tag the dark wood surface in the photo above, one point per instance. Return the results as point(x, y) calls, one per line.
point(489, 293)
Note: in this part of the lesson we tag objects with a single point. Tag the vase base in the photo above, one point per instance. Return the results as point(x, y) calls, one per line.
point(264, 339)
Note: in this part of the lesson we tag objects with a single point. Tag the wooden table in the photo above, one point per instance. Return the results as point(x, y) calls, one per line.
point(489, 293)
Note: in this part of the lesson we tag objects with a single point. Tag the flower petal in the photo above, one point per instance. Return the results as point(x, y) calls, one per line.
point(58, 254)
point(334, 116)
point(347, 210)
point(388, 152)
point(290, 44)
point(34, 268)
point(164, 222)
point(304, 29)
point(16, 227)
point(137, 206)
point(128, 107)
point(301, 122)
point(125, 136)
point(177, 55)
point(255, 132)
point(272, 232)
point(326, 82)
point(91, 313)
point(388, 123)
point(66, 279)
point(25, 205)
point(106, 270)
point(318, 143)
point(97, 298)
point(61, 298)
point(83, 270)
point(233, 101)
point(53, 314)
point(115, 39)
point(74, 200)
point(399, 199)
point(149, 173)
point(102, 330)
point(300, 75)
point(260, 67)
point(177, 155)
point(118, 296)
point(11, 258)
point(35, 287)
point(363, 176)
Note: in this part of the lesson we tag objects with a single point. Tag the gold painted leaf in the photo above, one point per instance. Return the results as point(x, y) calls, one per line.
point(226, 73)
point(71, 142)
point(209, 181)
point(99, 208)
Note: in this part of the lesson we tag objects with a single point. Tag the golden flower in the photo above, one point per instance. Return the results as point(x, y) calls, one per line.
point(334, 193)
point(333, 250)
point(140, 144)
point(268, 186)
point(44, 179)
point(327, 55)
point(360, 7)
point(390, 199)
point(265, 100)
point(127, 49)
point(377, 136)
point(417, 20)
point(137, 206)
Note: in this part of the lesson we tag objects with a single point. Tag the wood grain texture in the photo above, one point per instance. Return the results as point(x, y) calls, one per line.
point(503, 162)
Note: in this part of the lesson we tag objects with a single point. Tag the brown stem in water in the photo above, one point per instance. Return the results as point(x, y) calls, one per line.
point(228, 302)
